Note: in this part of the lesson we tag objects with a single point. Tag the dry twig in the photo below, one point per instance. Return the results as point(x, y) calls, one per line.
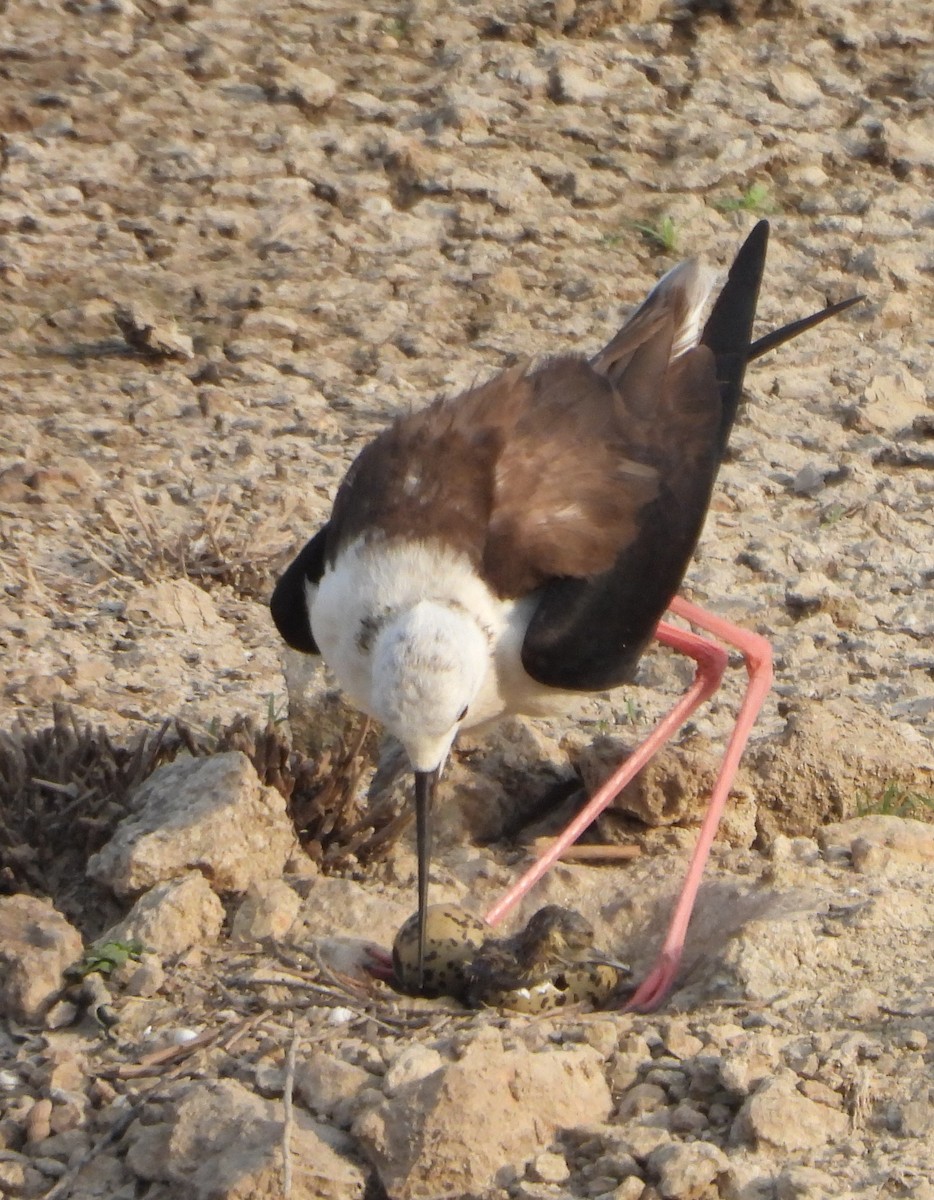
point(287, 1118)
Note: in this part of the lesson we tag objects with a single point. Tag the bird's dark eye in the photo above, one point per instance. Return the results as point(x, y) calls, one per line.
point(463, 713)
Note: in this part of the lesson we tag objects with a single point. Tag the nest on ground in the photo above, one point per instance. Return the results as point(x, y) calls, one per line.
point(65, 788)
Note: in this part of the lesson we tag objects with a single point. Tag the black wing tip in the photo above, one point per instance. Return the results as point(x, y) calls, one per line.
point(289, 603)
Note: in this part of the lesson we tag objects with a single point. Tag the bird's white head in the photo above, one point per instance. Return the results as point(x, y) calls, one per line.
point(429, 662)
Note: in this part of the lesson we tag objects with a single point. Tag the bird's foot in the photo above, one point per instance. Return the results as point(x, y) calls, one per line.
point(654, 989)
point(378, 963)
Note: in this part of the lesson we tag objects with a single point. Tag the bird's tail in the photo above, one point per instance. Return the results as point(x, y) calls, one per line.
point(728, 332)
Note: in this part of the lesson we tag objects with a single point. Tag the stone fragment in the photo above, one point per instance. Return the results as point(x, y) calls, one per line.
point(777, 1116)
point(570, 84)
point(828, 755)
point(631, 1188)
point(684, 1170)
point(414, 1063)
point(329, 1086)
point(644, 1097)
point(901, 838)
point(452, 1131)
point(12, 1179)
point(152, 336)
point(804, 1183)
point(307, 87)
point(675, 786)
point(337, 908)
point(39, 1121)
point(893, 401)
point(549, 1167)
point(210, 814)
point(221, 1142)
point(795, 87)
point(268, 910)
point(36, 945)
point(172, 917)
point(174, 604)
point(144, 978)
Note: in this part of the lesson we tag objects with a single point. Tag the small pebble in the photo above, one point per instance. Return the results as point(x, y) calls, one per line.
point(548, 1168)
point(38, 1122)
point(181, 1037)
point(340, 1015)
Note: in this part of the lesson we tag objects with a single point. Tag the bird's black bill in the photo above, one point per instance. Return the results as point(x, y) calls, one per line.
point(425, 784)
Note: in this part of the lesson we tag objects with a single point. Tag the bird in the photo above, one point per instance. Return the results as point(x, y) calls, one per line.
point(503, 551)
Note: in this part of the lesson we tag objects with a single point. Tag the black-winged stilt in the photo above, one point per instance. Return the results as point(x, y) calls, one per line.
point(499, 550)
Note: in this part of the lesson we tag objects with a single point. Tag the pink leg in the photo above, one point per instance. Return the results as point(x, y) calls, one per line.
point(711, 662)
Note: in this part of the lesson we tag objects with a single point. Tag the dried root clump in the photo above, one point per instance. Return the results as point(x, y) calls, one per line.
point(63, 789)
point(326, 801)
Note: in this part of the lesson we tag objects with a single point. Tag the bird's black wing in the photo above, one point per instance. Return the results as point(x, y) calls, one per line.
point(588, 634)
point(289, 603)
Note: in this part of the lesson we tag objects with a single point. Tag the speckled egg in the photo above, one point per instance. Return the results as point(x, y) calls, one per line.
point(452, 938)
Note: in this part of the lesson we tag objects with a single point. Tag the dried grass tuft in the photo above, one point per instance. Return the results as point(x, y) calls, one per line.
point(64, 789)
point(334, 824)
point(211, 551)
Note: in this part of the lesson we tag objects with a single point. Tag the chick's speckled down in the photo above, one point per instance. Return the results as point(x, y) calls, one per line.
point(549, 964)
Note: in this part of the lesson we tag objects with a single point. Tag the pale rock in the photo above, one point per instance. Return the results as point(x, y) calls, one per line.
point(685, 1118)
point(569, 83)
point(891, 402)
point(171, 918)
point(221, 1142)
point(69, 1111)
point(777, 1116)
point(415, 1062)
point(795, 87)
point(640, 1141)
point(915, 1118)
point(36, 945)
point(452, 1131)
point(643, 1098)
point(674, 787)
point(268, 910)
point(549, 1167)
point(39, 1121)
point(747, 1064)
point(828, 754)
point(307, 87)
point(901, 838)
point(208, 814)
point(269, 324)
point(153, 336)
point(783, 944)
point(338, 908)
point(912, 141)
point(685, 1170)
point(329, 1086)
point(173, 604)
point(69, 1074)
point(145, 977)
point(804, 1183)
point(631, 1188)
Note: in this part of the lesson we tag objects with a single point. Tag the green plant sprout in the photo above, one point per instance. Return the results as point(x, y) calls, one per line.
point(663, 234)
point(755, 199)
point(895, 801)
